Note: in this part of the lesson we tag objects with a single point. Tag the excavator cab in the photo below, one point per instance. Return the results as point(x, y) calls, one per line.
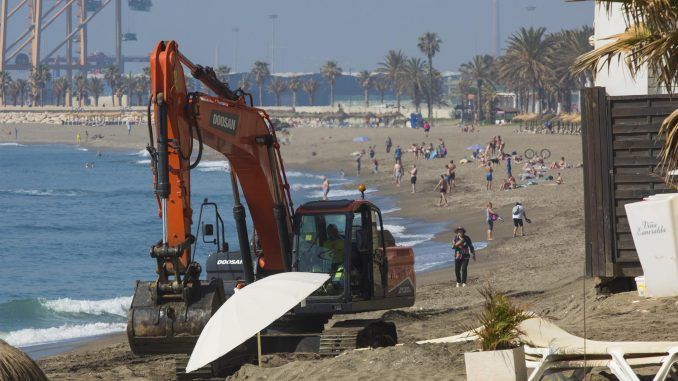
point(344, 239)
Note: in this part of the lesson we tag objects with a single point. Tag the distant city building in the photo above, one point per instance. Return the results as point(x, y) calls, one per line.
point(617, 78)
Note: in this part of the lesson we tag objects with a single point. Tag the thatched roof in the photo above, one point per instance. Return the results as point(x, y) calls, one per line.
point(16, 365)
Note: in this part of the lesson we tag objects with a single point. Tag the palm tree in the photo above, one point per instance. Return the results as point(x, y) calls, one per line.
point(310, 87)
point(277, 87)
point(567, 47)
point(331, 71)
point(223, 73)
point(81, 88)
point(140, 88)
point(128, 85)
point(415, 72)
point(429, 44)
point(394, 68)
point(528, 61)
point(40, 75)
point(365, 81)
point(15, 89)
point(5, 80)
point(294, 85)
point(244, 84)
point(381, 85)
point(260, 72)
point(59, 87)
point(112, 78)
point(95, 86)
point(481, 70)
point(651, 40)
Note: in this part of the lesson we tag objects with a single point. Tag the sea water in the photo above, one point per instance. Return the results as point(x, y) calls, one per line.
point(75, 239)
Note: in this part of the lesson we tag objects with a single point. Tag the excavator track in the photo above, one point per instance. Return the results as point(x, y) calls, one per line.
point(352, 334)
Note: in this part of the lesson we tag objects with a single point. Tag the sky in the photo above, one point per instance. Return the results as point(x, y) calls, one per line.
point(355, 33)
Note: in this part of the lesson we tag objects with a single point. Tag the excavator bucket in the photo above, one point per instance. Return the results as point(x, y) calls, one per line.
point(170, 326)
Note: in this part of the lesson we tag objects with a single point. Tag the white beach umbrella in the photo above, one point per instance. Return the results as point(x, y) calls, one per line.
point(250, 310)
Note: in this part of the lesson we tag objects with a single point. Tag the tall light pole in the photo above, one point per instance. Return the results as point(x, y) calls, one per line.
point(495, 28)
point(273, 18)
point(235, 31)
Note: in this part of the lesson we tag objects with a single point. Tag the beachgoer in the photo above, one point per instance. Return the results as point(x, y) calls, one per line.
point(16, 134)
point(375, 167)
point(86, 135)
point(453, 175)
point(326, 187)
point(518, 215)
point(508, 166)
point(129, 127)
point(342, 174)
point(358, 160)
point(398, 154)
point(442, 186)
point(77, 138)
point(488, 176)
point(397, 173)
point(388, 144)
point(413, 178)
point(559, 179)
point(372, 152)
point(490, 217)
point(463, 250)
point(427, 128)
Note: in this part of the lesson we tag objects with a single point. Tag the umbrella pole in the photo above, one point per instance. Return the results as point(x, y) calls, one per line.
point(259, 348)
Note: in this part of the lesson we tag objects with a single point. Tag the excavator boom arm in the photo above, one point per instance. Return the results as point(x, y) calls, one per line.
point(243, 134)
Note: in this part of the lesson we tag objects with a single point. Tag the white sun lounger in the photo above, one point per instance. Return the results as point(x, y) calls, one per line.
point(547, 346)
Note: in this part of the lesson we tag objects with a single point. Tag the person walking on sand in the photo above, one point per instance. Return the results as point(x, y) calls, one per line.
point(442, 186)
point(16, 134)
point(488, 176)
point(86, 136)
point(463, 250)
point(358, 163)
point(77, 138)
point(326, 187)
point(490, 217)
point(389, 144)
point(129, 128)
point(398, 154)
point(508, 166)
point(518, 215)
point(413, 178)
point(375, 164)
point(398, 173)
point(453, 169)
point(427, 128)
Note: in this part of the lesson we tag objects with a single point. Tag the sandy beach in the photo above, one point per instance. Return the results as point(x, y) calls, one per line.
point(544, 271)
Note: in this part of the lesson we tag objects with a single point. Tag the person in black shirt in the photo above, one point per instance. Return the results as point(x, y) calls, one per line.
point(463, 250)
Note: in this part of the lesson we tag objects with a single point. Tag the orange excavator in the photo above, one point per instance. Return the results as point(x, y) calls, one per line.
point(344, 238)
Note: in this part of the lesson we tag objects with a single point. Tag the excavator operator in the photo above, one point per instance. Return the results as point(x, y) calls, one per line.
point(334, 246)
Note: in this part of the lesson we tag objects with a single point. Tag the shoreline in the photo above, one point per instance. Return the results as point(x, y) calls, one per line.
point(541, 271)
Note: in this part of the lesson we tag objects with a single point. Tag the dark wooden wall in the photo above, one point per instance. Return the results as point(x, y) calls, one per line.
point(620, 148)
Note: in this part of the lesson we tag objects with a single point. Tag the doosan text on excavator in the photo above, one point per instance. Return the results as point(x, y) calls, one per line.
point(343, 238)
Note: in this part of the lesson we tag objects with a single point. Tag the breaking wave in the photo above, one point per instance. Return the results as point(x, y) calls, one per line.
point(34, 336)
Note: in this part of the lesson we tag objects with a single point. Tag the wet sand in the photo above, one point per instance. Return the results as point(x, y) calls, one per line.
point(542, 271)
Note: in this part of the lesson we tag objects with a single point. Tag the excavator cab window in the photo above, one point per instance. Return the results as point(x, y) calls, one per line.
point(321, 246)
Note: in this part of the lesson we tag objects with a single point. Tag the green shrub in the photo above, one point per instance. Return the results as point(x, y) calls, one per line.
point(499, 321)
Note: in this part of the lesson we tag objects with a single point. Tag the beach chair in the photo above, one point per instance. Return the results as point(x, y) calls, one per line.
point(549, 348)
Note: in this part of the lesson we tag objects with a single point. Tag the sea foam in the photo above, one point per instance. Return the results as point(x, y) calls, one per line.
point(214, 166)
point(115, 306)
point(34, 336)
point(12, 144)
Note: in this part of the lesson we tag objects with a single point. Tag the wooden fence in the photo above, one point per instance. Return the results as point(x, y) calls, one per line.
point(620, 149)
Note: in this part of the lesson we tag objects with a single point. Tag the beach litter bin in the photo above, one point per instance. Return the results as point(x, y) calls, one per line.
point(654, 227)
